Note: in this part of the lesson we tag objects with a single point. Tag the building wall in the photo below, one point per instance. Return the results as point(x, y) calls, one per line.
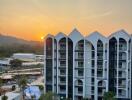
point(87, 67)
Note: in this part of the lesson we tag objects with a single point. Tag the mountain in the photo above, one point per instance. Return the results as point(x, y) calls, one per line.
point(10, 45)
point(10, 40)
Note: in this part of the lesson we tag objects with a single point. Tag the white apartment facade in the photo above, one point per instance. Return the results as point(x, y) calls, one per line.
point(80, 67)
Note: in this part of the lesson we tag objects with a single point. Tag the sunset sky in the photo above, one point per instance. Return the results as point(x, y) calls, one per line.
point(31, 19)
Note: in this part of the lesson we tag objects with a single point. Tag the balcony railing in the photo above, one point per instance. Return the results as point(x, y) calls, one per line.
point(80, 93)
point(100, 48)
point(122, 68)
point(122, 58)
point(79, 67)
point(100, 93)
point(62, 82)
point(49, 57)
point(62, 48)
point(121, 95)
point(80, 57)
point(79, 84)
point(99, 75)
point(92, 83)
point(122, 48)
point(122, 85)
point(62, 73)
point(92, 91)
point(100, 66)
point(62, 66)
point(62, 55)
point(101, 85)
point(62, 91)
point(122, 76)
point(100, 57)
point(80, 74)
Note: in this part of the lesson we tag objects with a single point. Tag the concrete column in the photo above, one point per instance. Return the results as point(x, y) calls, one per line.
point(66, 67)
point(53, 65)
point(117, 67)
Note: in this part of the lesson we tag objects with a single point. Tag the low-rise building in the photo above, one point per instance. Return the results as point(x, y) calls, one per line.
point(12, 96)
point(24, 56)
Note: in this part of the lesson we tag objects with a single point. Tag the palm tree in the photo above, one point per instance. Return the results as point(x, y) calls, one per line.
point(109, 96)
point(22, 84)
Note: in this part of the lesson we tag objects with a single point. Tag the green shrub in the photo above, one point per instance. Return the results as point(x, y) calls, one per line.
point(41, 87)
point(4, 97)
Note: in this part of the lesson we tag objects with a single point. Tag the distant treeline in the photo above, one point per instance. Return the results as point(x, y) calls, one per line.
point(8, 50)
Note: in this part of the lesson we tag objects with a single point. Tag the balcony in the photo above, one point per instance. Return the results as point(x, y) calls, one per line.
point(99, 66)
point(92, 74)
point(62, 66)
point(79, 93)
point(122, 58)
point(101, 85)
point(122, 85)
point(62, 91)
point(62, 56)
point(62, 74)
point(79, 85)
point(62, 48)
point(100, 57)
point(79, 49)
point(79, 67)
point(122, 49)
point(48, 57)
point(100, 94)
point(92, 91)
point(79, 76)
point(80, 73)
point(62, 83)
point(80, 57)
point(48, 82)
point(100, 49)
point(122, 67)
point(121, 77)
point(122, 95)
point(100, 76)
point(92, 83)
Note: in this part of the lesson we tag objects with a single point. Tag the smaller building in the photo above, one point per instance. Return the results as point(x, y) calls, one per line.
point(12, 96)
point(4, 64)
point(27, 57)
point(40, 58)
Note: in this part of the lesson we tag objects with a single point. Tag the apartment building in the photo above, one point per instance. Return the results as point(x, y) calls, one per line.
point(80, 67)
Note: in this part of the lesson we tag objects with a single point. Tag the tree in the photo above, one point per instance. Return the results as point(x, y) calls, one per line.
point(41, 87)
point(86, 99)
point(22, 84)
point(48, 96)
point(4, 97)
point(1, 83)
point(13, 88)
point(109, 96)
point(16, 63)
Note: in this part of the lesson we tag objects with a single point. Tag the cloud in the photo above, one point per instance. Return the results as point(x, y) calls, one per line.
point(100, 15)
